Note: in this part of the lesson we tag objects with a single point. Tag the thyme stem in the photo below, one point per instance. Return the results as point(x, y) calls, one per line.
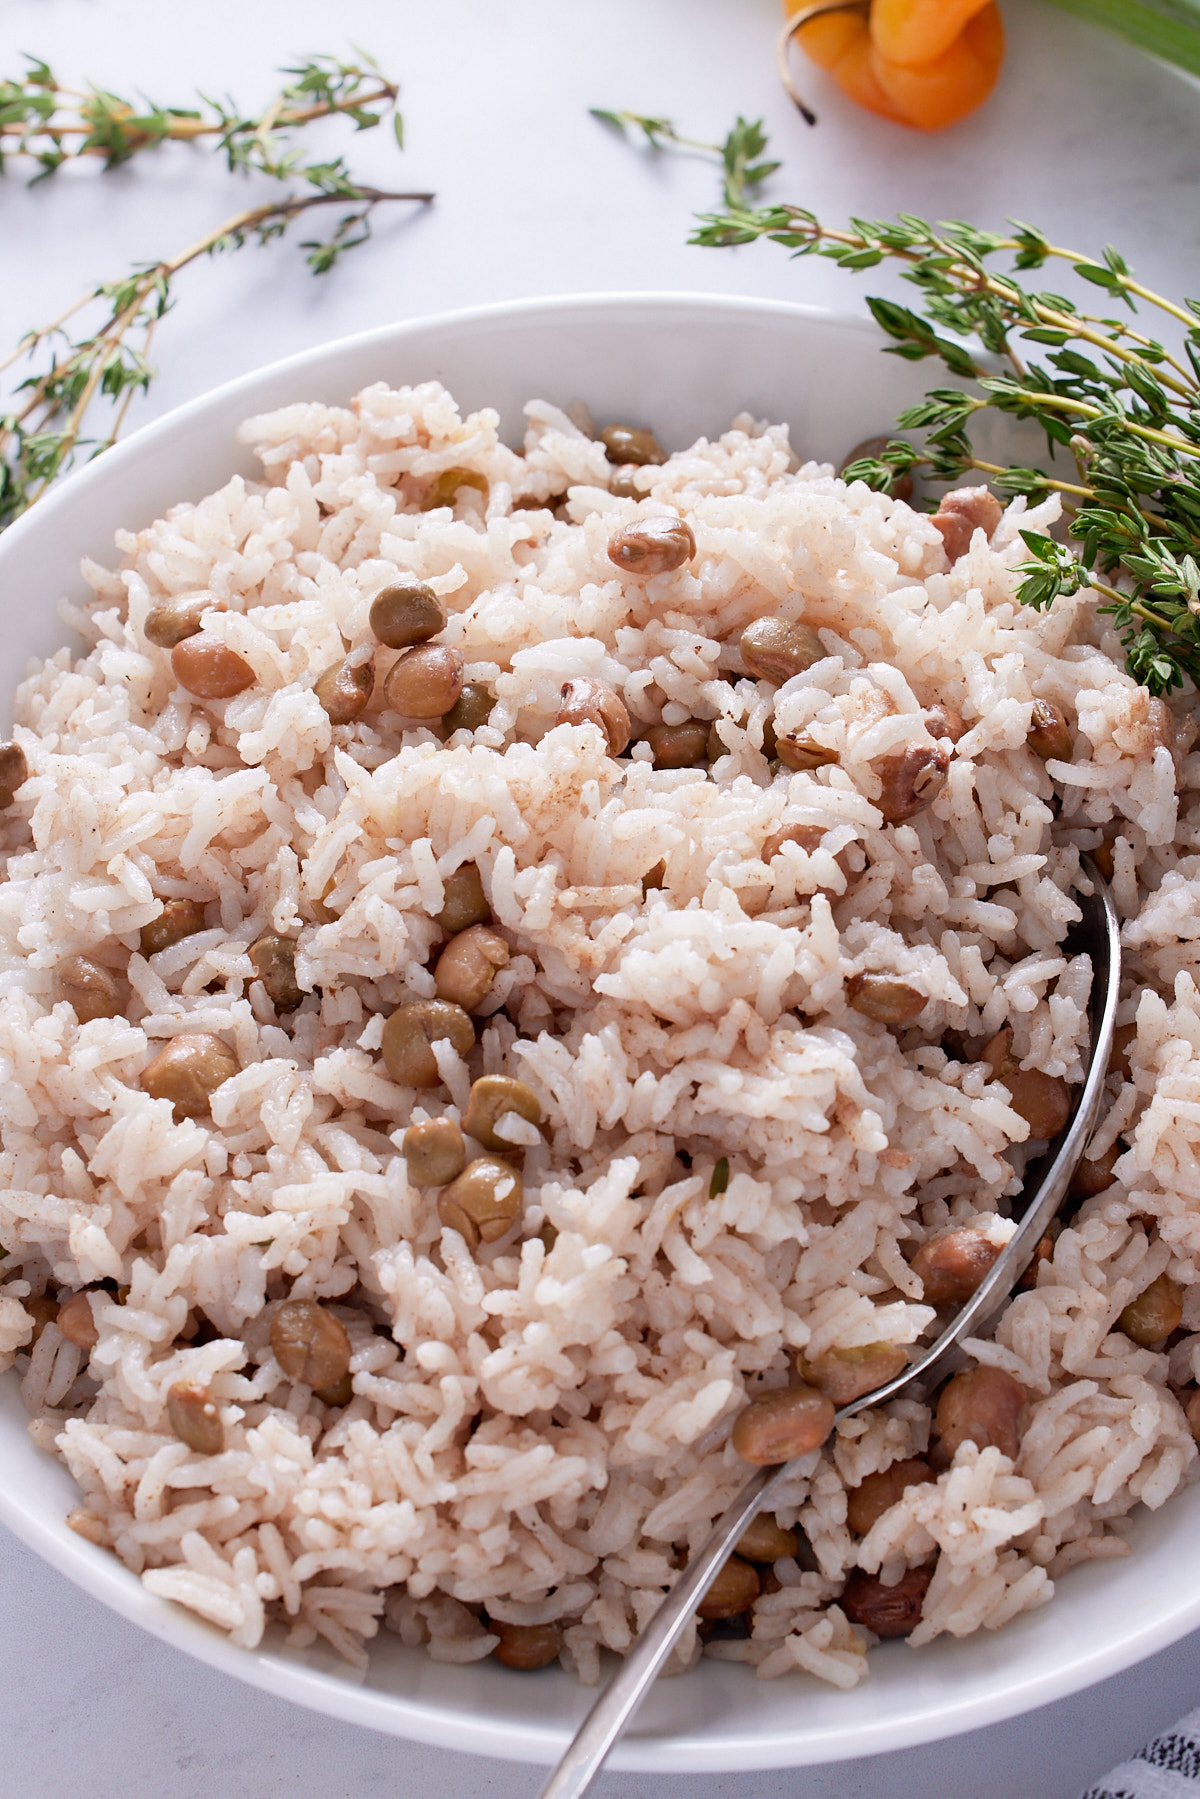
point(182, 129)
point(47, 123)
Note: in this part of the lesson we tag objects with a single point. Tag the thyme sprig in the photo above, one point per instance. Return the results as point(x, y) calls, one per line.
point(737, 150)
point(95, 353)
point(48, 124)
point(1122, 406)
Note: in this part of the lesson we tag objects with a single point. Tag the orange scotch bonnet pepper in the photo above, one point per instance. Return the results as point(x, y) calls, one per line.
point(924, 63)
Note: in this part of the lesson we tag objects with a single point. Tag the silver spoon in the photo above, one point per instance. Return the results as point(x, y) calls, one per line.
point(1099, 936)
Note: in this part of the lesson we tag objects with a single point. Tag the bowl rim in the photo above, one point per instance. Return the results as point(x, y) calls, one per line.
point(98, 1572)
point(66, 493)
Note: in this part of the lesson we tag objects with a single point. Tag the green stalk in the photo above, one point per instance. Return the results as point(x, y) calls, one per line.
point(1169, 29)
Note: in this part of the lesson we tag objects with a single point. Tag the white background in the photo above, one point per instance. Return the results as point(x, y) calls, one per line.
point(1084, 137)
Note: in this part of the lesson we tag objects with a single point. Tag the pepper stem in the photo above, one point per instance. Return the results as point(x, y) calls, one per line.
point(816, 10)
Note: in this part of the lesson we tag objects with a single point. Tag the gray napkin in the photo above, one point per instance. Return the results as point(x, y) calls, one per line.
point(1167, 1768)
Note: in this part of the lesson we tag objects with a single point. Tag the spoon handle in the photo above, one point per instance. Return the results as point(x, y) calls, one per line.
point(629, 1685)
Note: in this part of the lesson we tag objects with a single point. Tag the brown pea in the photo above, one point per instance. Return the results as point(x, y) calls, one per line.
point(468, 965)
point(492, 1095)
point(473, 707)
point(1102, 856)
point(1095, 1174)
point(310, 1344)
point(484, 1202)
point(425, 683)
point(734, 1588)
point(210, 669)
point(178, 919)
point(847, 1373)
point(775, 649)
point(14, 772)
point(76, 1321)
point(797, 750)
point(1049, 734)
point(886, 1000)
point(715, 745)
point(888, 1611)
point(962, 513)
point(652, 546)
point(678, 746)
point(444, 487)
point(1042, 1100)
point(877, 1493)
point(1154, 1313)
point(587, 702)
point(464, 902)
point(1124, 1038)
point(345, 689)
point(195, 1418)
point(89, 987)
point(1191, 1410)
point(43, 1310)
point(805, 837)
point(943, 721)
point(410, 1031)
point(623, 484)
point(1043, 1253)
point(435, 1152)
point(188, 1072)
point(316, 908)
point(405, 613)
point(997, 1054)
point(764, 1540)
point(953, 1266)
point(171, 621)
point(526, 1646)
point(871, 449)
point(910, 778)
point(981, 1406)
point(769, 1581)
point(274, 962)
point(628, 444)
point(339, 1392)
point(780, 1425)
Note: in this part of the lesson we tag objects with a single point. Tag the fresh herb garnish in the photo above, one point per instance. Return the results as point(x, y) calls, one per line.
point(49, 413)
point(1121, 405)
point(49, 124)
point(1118, 407)
point(737, 152)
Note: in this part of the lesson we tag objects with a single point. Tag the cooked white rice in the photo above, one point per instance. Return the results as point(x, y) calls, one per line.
point(540, 1434)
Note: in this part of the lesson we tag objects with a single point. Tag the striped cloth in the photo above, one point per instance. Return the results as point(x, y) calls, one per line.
point(1167, 1768)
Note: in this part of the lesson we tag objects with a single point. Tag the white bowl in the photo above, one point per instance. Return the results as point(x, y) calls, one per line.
point(685, 365)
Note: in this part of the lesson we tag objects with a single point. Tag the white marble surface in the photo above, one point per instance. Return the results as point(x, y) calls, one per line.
point(1092, 142)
